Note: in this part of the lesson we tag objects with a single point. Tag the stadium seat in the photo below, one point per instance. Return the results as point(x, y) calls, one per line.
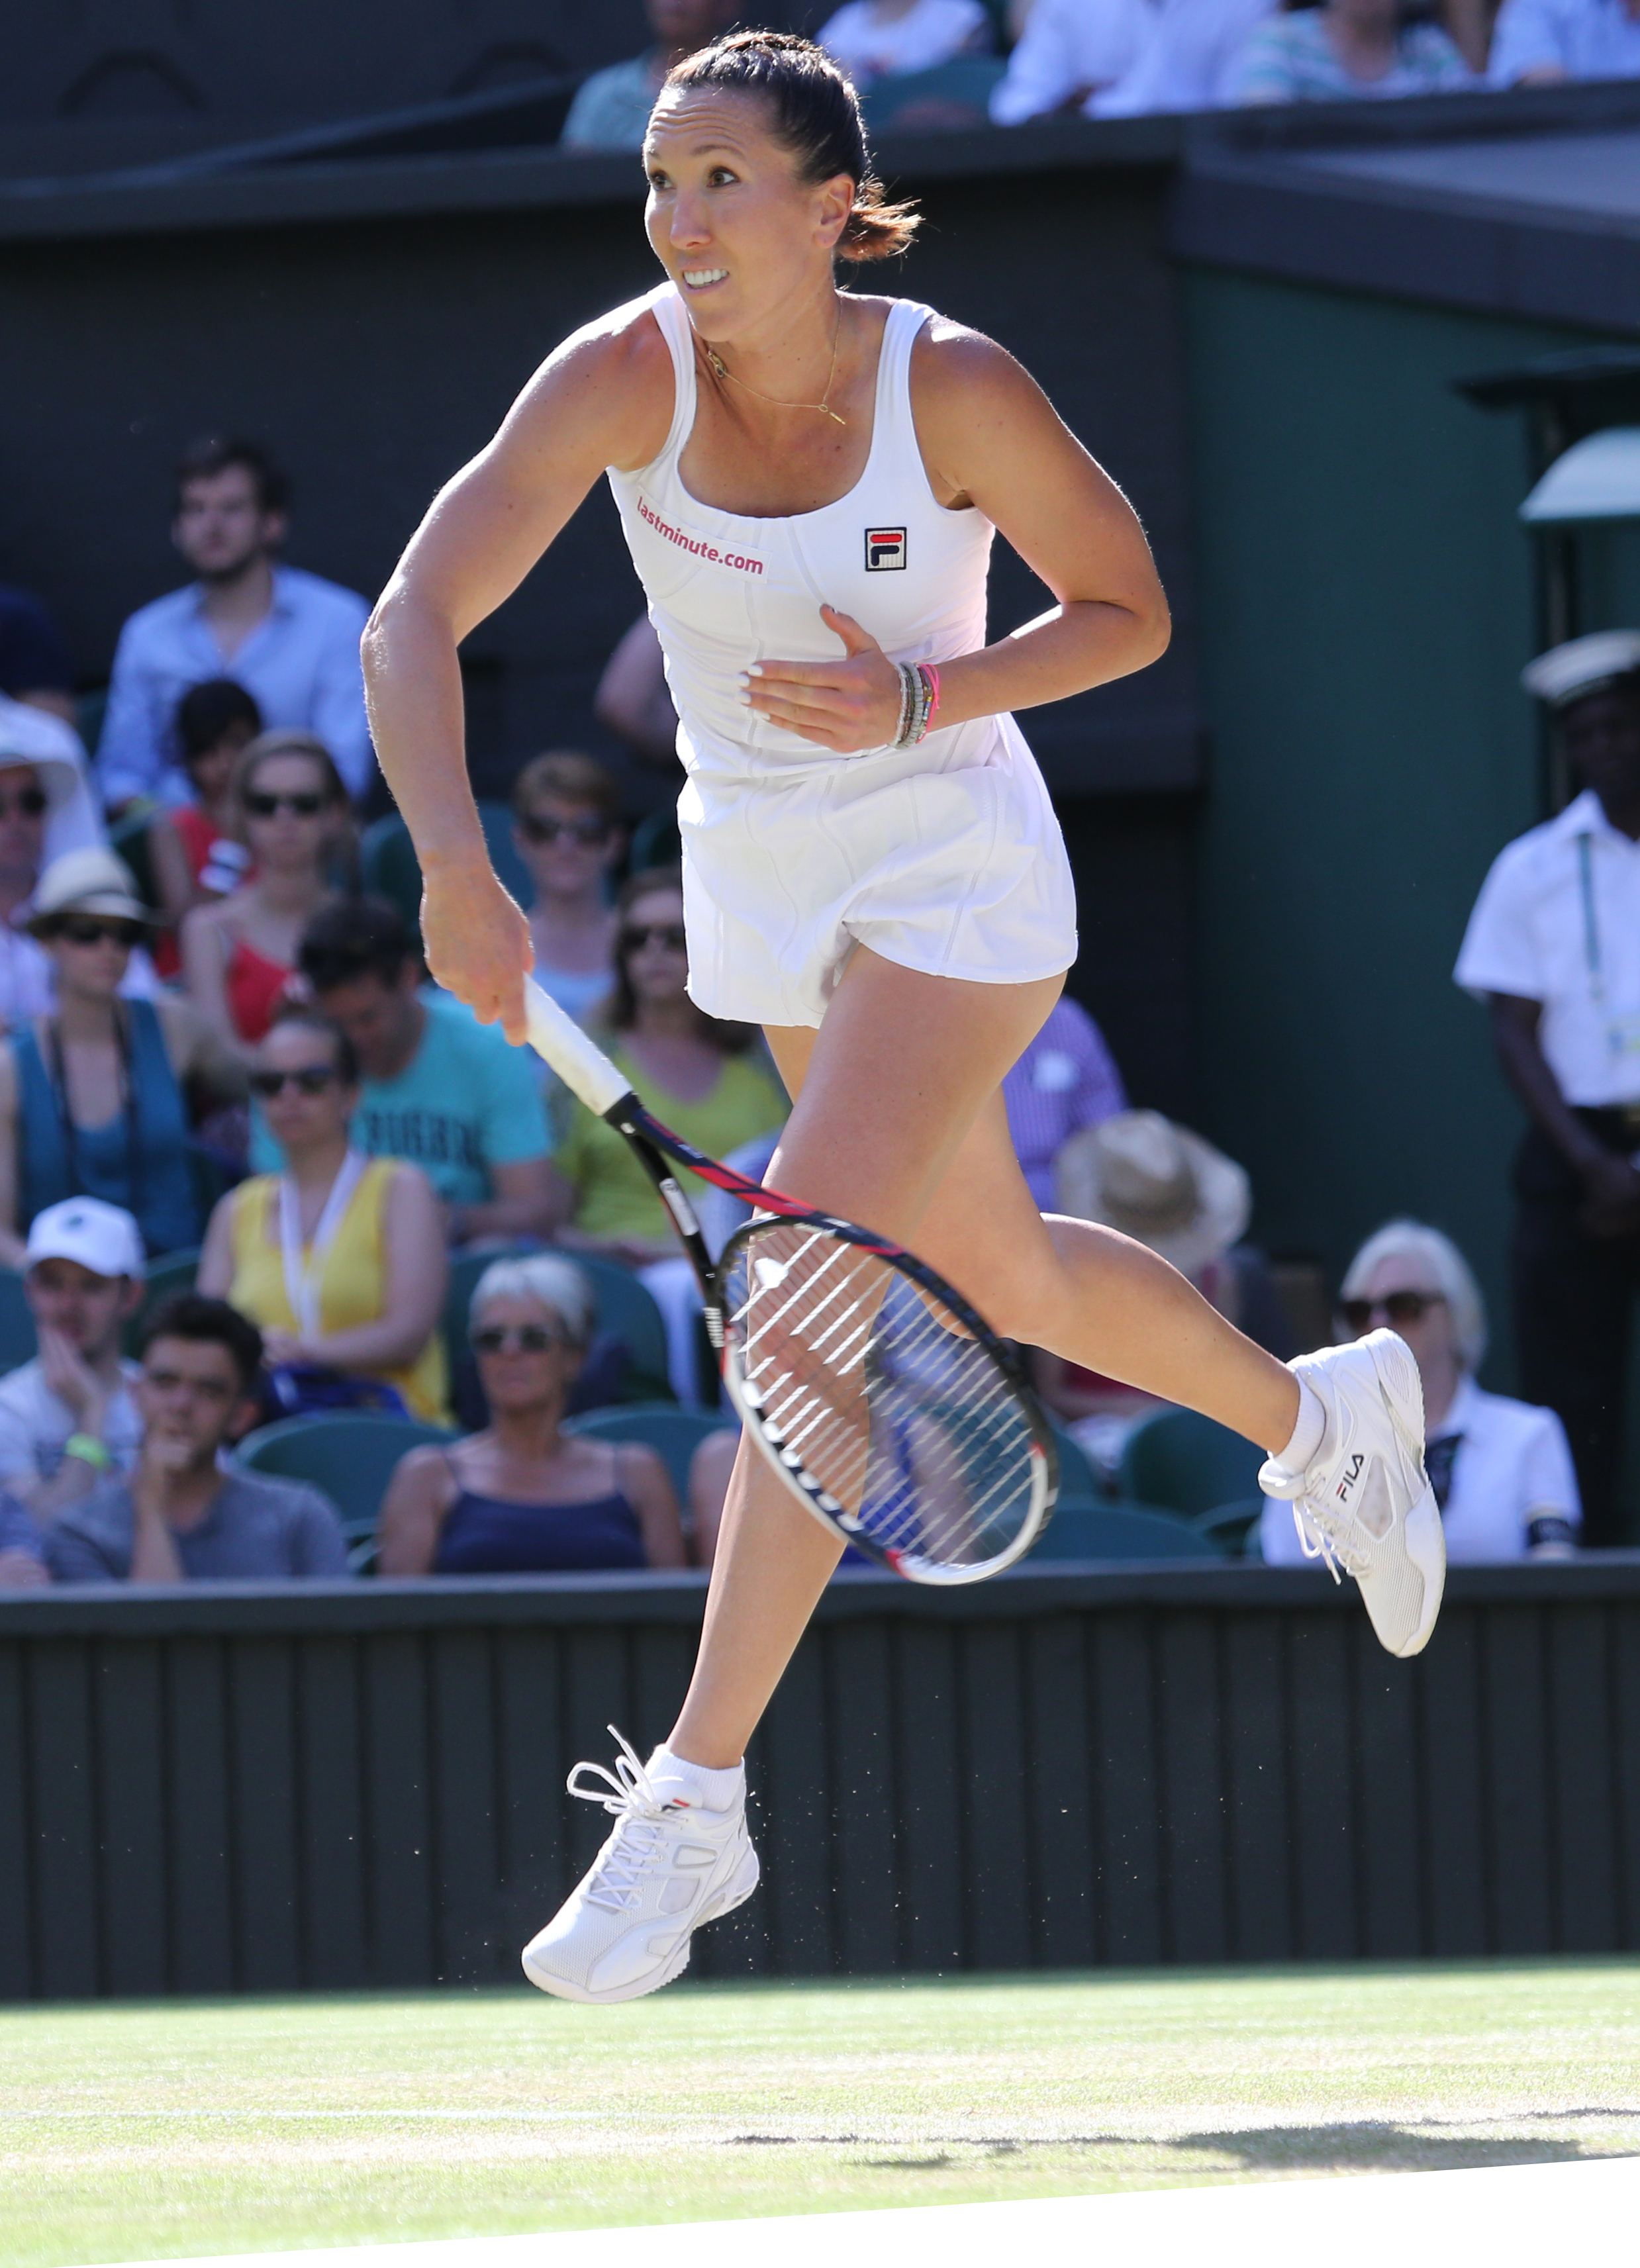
point(1228, 1526)
point(966, 81)
point(388, 867)
point(350, 1454)
point(655, 842)
point(17, 1342)
point(173, 1272)
point(130, 841)
point(673, 1433)
point(1077, 1477)
point(1188, 1463)
point(1084, 1527)
point(621, 1303)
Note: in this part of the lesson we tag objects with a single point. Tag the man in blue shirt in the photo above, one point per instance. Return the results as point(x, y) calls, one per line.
point(438, 1087)
point(289, 638)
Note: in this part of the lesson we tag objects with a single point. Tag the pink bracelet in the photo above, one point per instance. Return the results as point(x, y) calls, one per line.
point(931, 673)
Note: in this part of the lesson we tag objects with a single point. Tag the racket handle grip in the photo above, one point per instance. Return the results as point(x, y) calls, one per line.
point(559, 1041)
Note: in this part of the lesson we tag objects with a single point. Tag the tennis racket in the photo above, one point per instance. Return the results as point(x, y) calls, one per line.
point(884, 1402)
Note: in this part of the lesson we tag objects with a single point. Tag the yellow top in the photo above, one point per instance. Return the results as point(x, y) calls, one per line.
point(352, 1280)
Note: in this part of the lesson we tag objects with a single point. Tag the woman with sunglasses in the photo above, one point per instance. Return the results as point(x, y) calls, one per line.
point(341, 1257)
point(1501, 1469)
point(567, 812)
point(238, 955)
point(696, 1073)
point(523, 1498)
point(98, 1097)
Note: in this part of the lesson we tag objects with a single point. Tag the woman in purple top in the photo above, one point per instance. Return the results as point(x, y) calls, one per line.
point(1066, 1079)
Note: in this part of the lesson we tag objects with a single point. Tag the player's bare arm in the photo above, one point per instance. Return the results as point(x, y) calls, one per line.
point(603, 398)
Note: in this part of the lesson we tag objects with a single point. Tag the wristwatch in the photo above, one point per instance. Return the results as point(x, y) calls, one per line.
point(88, 1447)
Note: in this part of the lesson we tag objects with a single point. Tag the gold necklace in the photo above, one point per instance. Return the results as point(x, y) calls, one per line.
point(824, 405)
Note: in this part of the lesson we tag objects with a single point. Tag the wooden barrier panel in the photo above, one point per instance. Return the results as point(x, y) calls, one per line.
point(263, 1789)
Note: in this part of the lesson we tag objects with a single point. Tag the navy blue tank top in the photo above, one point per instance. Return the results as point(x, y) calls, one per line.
point(140, 1159)
point(487, 1535)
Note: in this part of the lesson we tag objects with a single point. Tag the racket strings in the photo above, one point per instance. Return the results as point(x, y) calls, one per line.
point(876, 1388)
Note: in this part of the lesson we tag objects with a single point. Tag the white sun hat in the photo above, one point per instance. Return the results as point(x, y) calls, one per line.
point(1159, 1183)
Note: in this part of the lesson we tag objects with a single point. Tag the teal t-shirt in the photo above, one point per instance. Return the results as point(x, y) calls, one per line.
point(465, 1101)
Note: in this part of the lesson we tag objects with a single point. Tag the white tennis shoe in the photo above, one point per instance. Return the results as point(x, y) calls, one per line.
point(668, 1865)
point(1363, 1505)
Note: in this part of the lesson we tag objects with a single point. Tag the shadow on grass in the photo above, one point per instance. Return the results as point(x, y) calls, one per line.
point(1371, 2145)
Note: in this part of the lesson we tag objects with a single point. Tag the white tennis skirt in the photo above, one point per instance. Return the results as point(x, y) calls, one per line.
point(956, 868)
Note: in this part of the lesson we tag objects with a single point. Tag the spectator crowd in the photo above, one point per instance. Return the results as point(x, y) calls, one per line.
point(957, 64)
point(254, 1166)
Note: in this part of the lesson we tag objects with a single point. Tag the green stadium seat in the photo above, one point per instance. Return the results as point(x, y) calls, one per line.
point(1077, 1477)
point(1084, 1527)
point(173, 1272)
point(621, 1306)
point(1188, 1463)
point(349, 1453)
point(656, 842)
point(673, 1433)
point(1228, 1527)
point(130, 841)
point(388, 867)
point(17, 1342)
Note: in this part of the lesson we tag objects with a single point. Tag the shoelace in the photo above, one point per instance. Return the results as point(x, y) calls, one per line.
point(631, 1796)
point(1330, 1537)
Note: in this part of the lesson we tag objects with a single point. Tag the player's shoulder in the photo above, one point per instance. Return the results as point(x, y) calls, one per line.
point(947, 354)
point(622, 351)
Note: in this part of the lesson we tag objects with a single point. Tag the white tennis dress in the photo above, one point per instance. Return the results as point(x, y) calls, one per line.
point(946, 857)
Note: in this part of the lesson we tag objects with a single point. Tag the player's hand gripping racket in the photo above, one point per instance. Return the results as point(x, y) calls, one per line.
point(883, 1401)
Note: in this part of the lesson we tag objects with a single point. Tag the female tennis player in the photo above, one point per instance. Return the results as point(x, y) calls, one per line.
point(808, 480)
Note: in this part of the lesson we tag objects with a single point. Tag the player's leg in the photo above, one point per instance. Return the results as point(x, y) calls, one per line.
point(897, 1123)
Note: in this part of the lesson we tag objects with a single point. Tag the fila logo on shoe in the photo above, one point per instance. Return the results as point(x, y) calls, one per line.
point(1350, 1474)
point(885, 547)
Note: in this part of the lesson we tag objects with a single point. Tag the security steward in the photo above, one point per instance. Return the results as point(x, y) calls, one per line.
point(1553, 947)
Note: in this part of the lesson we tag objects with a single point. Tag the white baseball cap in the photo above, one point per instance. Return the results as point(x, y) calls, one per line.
point(101, 1237)
point(1567, 672)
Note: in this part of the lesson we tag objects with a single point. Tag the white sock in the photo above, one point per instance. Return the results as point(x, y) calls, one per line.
point(1308, 1434)
point(713, 1790)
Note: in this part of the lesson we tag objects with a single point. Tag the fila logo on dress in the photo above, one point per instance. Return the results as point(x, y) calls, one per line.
point(885, 547)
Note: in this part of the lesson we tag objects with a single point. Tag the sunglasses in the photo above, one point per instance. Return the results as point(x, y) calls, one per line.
point(528, 1338)
point(591, 834)
point(312, 1079)
point(1398, 1307)
point(27, 803)
point(307, 805)
point(84, 930)
point(671, 936)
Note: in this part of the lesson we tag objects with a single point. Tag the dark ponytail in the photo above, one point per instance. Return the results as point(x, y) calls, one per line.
point(814, 113)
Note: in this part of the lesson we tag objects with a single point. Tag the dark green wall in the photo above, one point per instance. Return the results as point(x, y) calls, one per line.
point(1366, 596)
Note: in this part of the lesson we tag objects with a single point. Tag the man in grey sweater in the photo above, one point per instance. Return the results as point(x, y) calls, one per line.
point(178, 1517)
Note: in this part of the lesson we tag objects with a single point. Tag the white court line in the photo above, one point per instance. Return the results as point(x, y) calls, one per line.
point(1505, 2216)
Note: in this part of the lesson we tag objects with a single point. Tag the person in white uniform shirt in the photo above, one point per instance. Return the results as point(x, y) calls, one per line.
point(67, 1418)
point(1501, 1470)
point(1553, 947)
point(810, 480)
point(1541, 42)
point(289, 638)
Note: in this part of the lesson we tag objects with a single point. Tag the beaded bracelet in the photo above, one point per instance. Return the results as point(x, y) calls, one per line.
point(919, 696)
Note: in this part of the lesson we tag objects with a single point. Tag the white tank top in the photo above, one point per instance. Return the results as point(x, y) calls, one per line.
point(726, 591)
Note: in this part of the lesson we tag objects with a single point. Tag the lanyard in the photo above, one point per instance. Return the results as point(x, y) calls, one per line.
point(1591, 920)
point(301, 1275)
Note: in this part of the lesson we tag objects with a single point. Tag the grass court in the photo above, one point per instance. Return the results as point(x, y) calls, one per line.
point(136, 2132)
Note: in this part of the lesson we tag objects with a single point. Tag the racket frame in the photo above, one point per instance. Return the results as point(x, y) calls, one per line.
point(590, 1074)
